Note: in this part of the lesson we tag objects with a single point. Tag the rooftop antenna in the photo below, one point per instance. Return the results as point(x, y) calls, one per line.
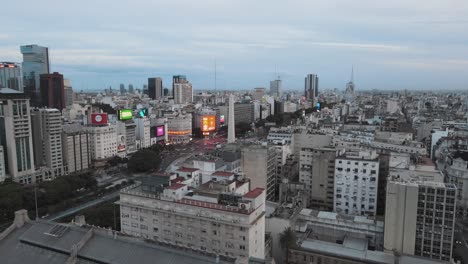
point(352, 73)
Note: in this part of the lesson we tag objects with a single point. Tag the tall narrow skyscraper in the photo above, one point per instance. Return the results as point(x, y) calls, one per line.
point(276, 88)
point(231, 124)
point(155, 88)
point(311, 87)
point(35, 63)
point(47, 140)
point(11, 76)
point(181, 90)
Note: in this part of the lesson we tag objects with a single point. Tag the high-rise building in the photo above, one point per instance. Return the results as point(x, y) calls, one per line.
point(155, 88)
point(181, 90)
point(420, 218)
point(76, 149)
point(35, 63)
point(47, 139)
point(259, 165)
point(258, 94)
point(276, 88)
point(356, 182)
point(131, 90)
point(53, 91)
point(243, 113)
point(122, 89)
point(16, 135)
point(11, 76)
point(317, 172)
point(311, 87)
point(69, 93)
point(219, 217)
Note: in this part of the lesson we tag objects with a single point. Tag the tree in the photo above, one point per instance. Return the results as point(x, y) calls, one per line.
point(144, 160)
point(288, 240)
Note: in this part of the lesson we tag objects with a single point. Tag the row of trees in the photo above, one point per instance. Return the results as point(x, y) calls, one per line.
point(51, 196)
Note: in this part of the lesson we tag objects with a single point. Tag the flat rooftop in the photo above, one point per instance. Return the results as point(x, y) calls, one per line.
point(30, 244)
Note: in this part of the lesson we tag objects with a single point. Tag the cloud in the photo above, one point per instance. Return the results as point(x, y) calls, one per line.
point(247, 38)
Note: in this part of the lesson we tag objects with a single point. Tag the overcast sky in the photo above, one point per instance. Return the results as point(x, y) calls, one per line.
point(397, 44)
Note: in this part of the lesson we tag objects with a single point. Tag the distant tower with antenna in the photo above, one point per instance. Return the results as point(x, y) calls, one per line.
point(350, 85)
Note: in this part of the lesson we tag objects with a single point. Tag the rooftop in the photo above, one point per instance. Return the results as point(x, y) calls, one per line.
point(354, 249)
point(30, 244)
point(254, 193)
point(185, 169)
point(222, 173)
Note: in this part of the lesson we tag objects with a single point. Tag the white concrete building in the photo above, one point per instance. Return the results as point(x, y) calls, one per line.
point(143, 131)
point(126, 137)
point(420, 218)
point(456, 172)
point(222, 218)
point(16, 135)
point(280, 134)
point(356, 182)
point(47, 138)
point(103, 141)
point(259, 165)
point(76, 149)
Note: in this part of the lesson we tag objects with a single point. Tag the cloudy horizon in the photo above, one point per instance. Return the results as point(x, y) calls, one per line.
point(392, 45)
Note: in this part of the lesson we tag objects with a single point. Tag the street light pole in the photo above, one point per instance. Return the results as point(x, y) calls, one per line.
point(35, 200)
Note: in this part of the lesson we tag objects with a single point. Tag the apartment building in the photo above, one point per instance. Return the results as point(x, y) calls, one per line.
point(420, 218)
point(220, 217)
point(356, 183)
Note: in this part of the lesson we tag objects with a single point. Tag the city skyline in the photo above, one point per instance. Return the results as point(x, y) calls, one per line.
point(393, 45)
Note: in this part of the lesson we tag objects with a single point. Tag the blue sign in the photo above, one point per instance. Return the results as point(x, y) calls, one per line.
point(318, 106)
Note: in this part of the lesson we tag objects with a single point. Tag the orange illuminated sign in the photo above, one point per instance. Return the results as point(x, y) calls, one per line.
point(208, 123)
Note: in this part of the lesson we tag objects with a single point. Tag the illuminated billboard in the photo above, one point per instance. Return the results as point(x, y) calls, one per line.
point(98, 119)
point(208, 123)
point(160, 131)
point(125, 114)
point(221, 119)
point(143, 112)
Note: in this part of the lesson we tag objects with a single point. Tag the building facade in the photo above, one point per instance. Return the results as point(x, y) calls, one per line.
point(16, 135)
point(52, 91)
point(356, 184)
point(162, 209)
point(103, 141)
point(76, 149)
point(276, 88)
point(258, 164)
point(11, 76)
point(420, 218)
point(311, 87)
point(155, 88)
point(69, 94)
point(35, 63)
point(181, 90)
point(47, 139)
point(179, 128)
point(317, 172)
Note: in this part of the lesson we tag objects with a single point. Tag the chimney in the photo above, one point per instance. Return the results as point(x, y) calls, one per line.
point(21, 216)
